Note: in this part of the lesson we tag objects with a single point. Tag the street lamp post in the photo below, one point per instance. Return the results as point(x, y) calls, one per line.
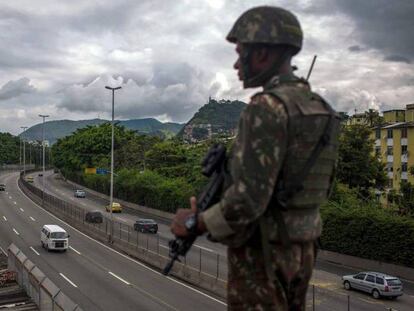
point(43, 155)
point(24, 128)
point(111, 192)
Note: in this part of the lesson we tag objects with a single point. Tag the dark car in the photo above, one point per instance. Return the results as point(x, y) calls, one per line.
point(146, 225)
point(40, 175)
point(94, 216)
point(2, 187)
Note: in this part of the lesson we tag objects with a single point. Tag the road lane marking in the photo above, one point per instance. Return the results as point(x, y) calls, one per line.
point(21, 209)
point(206, 249)
point(116, 252)
point(77, 252)
point(3, 251)
point(119, 278)
point(15, 231)
point(32, 218)
point(31, 247)
point(4, 217)
point(67, 279)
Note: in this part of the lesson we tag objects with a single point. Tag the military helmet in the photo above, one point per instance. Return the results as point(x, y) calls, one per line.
point(267, 25)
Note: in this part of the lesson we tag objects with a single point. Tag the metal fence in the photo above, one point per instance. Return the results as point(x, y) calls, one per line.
point(198, 258)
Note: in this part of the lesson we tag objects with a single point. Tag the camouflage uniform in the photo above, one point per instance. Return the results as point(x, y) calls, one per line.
point(269, 223)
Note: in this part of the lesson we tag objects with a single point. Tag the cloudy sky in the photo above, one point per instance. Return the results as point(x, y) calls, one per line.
point(169, 56)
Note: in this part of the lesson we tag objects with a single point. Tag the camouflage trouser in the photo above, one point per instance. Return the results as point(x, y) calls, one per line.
point(249, 287)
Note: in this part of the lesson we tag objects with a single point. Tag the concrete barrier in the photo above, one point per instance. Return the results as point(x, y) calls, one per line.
point(46, 295)
point(367, 265)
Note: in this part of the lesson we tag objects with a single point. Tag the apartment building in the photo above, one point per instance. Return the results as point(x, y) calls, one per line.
point(394, 143)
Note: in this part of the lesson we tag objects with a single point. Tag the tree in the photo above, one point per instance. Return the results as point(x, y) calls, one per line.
point(358, 167)
point(373, 117)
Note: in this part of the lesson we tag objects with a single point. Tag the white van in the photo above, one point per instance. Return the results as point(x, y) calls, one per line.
point(54, 237)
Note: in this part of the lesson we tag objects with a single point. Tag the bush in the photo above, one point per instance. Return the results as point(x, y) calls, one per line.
point(367, 232)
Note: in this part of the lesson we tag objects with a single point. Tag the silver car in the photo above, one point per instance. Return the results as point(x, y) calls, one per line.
point(79, 194)
point(374, 283)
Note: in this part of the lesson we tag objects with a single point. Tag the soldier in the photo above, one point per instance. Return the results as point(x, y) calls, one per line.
point(281, 168)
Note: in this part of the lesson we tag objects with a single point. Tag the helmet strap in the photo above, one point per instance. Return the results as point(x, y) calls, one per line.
point(261, 78)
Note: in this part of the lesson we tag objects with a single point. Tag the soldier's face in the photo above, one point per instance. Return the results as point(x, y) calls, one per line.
point(237, 65)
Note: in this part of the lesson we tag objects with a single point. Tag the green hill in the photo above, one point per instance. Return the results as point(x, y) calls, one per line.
point(215, 118)
point(61, 128)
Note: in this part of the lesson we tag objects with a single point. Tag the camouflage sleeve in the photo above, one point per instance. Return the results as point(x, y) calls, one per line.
point(256, 159)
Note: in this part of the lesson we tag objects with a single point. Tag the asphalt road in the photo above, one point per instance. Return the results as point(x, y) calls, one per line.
point(210, 253)
point(329, 293)
point(93, 275)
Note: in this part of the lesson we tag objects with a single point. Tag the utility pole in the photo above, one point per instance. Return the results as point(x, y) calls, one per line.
point(111, 193)
point(43, 116)
point(24, 128)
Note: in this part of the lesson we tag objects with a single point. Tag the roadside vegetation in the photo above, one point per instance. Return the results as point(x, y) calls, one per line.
point(163, 174)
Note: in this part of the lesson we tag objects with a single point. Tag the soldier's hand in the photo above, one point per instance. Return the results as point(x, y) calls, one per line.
point(177, 225)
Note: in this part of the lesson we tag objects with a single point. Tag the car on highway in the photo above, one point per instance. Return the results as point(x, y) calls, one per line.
point(2, 187)
point(53, 237)
point(116, 208)
point(40, 174)
point(79, 193)
point(375, 283)
point(29, 179)
point(146, 225)
point(94, 217)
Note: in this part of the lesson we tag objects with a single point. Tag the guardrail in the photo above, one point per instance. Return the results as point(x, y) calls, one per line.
point(203, 268)
point(46, 295)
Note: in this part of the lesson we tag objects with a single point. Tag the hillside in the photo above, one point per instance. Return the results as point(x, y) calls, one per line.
point(215, 118)
point(61, 128)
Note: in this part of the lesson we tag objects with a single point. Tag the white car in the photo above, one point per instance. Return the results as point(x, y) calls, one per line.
point(53, 237)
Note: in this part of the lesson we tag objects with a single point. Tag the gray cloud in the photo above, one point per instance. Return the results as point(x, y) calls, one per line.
point(397, 58)
point(15, 88)
point(382, 24)
point(355, 48)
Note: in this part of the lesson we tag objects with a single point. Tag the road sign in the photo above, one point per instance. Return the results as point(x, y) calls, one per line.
point(90, 170)
point(101, 171)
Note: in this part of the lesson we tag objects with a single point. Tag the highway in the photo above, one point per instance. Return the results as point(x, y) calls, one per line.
point(93, 275)
point(148, 289)
point(65, 191)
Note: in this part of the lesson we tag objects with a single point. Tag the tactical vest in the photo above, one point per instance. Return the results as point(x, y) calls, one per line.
point(306, 177)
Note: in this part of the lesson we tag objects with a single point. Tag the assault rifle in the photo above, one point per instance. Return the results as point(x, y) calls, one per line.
point(213, 167)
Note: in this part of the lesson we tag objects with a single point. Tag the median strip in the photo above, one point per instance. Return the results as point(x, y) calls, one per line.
point(67, 279)
point(31, 247)
point(119, 278)
point(15, 231)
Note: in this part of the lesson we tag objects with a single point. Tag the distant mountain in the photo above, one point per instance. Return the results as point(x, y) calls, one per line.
point(215, 118)
point(61, 128)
